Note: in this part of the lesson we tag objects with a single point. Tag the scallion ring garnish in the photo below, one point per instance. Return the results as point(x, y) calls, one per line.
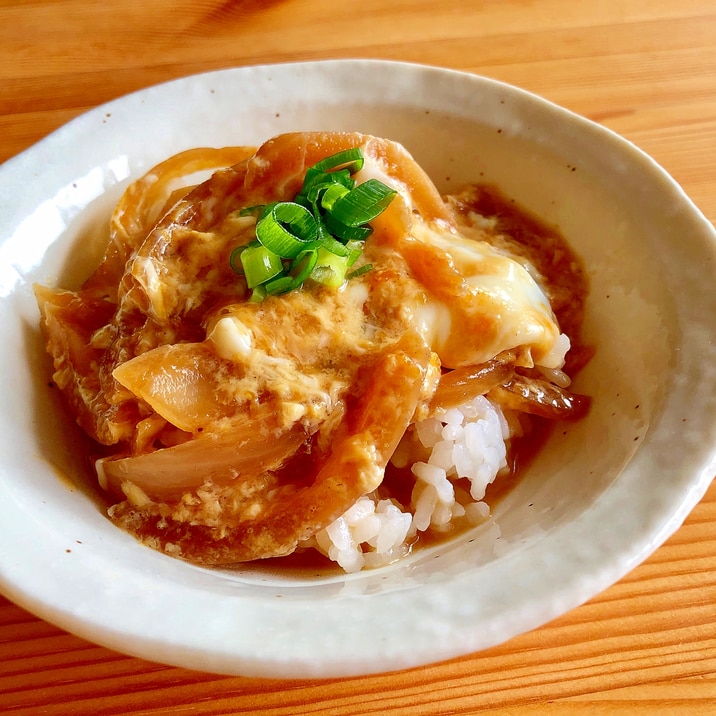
point(344, 232)
point(279, 285)
point(286, 229)
point(317, 236)
point(260, 265)
point(360, 271)
point(303, 265)
point(331, 195)
point(351, 159)
point(329, 243)
point(330, 269)
point(363, 203)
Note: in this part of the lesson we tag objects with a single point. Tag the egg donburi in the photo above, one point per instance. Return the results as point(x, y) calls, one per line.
point(260, 379)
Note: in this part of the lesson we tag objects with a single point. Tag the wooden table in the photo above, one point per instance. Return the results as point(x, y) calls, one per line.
point(645, 68)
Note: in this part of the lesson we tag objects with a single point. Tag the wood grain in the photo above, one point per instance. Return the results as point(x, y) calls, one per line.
point(644, 68)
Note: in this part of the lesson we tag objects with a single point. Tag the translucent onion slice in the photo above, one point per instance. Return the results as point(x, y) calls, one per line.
point(250, 446)
point(463, 384)
point(539, 397)
point(180, 382)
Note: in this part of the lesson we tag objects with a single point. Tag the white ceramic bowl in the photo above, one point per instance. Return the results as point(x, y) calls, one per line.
point(599, 499)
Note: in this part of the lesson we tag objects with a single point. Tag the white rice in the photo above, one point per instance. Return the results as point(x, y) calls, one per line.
point(370, 534)
point(460, 447)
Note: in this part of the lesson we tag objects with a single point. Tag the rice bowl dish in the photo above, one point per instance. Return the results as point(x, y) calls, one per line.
point(262, 356)
point(650, 259)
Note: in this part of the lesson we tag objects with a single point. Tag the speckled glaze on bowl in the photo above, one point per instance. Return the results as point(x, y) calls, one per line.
point(598, 500)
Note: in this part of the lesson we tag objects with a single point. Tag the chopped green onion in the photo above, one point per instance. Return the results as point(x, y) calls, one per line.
point(286, 229)
point(315, 179)
point(356, 249)
point(332, 194)
point(359, 271)
point(345, 232)
point(235, 260)
point(303, 265)
point(319, 235)
point(330, 270)
point(258, 294)
point(363, 203)
point(335, 247)
point(351, 159)
point(254, 210)
point(281, 284)
point(260, 265)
